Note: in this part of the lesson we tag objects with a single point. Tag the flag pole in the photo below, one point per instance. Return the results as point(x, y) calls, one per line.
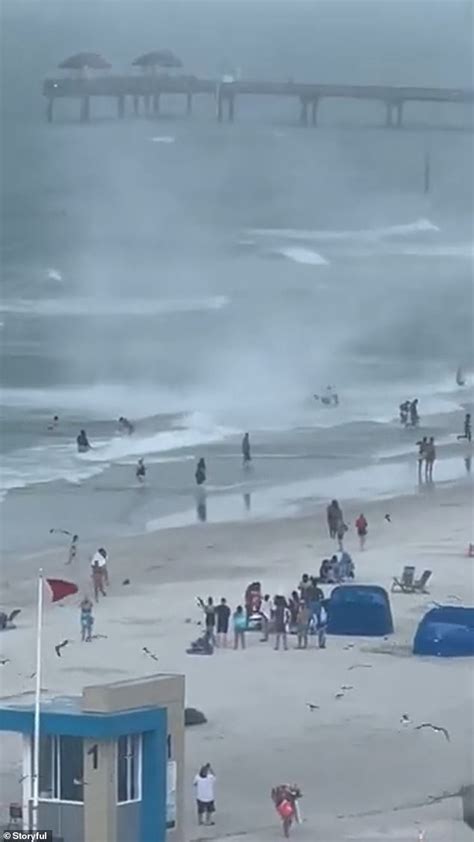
point(36, 731)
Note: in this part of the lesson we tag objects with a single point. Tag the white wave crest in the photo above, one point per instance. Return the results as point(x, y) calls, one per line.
point(408, 229)
point(111, 306)
point(302, 255)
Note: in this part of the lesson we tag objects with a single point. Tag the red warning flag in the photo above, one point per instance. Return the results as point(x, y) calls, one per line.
point(60, 588)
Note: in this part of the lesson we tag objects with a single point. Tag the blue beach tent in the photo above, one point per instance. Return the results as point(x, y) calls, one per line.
point(359, 610)
point(447, 631)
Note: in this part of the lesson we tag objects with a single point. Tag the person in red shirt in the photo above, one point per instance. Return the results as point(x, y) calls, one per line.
point(362, 529)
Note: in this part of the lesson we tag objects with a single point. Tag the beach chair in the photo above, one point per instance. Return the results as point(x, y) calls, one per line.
point(419, 585)
point(405, 584)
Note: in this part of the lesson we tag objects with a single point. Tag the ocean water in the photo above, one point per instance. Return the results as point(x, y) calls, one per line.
point(206, 279)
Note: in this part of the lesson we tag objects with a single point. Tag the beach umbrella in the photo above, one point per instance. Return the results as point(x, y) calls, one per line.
point(158, 58)
point(83, 61)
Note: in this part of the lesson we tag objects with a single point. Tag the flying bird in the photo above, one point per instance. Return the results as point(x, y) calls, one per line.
point(437, 728)
point(4, 661)
point(388, 518)
point(339, 695)
point(13, 615)
point(126, 582)
point(453, 596)
point(311, 706)
point(60, 646)
point(150, 654)
point(405, 720)
point(360, 666)
point(347, 687)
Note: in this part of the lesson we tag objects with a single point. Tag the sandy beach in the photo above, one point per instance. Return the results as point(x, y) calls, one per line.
point(363, 774)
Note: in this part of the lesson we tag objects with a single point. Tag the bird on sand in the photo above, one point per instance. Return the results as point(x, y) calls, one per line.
point(360, 666)
point(438, 728)
point(339, 695)
point(150, 654)
point(405, 720)
point(311, 706)
point(60, 646)
point(4, 661)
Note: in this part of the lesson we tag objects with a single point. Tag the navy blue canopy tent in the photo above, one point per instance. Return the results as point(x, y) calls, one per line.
point(359, 610)
point(447, 631)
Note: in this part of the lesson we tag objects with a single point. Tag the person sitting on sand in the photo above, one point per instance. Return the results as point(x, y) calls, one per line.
point(87, 620)
point(324, 571)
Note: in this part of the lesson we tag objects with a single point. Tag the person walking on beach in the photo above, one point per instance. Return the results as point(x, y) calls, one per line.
point(246, 455)
point(204, 784)
point(362, 529)
point(430, 459)
point(73, 549)
point(334, 518)
point(87, 620)
point(240, 627)
point(467, 429)
point(302, 625)
point(422, 445)
point(282, 619)
point(285, 798)
point(223, 616)
point(102, 559)
point(98, 577)
point(266, 613)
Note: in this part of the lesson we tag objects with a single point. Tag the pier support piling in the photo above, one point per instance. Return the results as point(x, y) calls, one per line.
point(314, 112)
point(49, 110)
point(399, 113)
point(189, 103)
point(228, 98)
point(121, 106)
point(136, 104)
point(156, 104)
point(304, 112)
point(85, 109)
point(146, 103)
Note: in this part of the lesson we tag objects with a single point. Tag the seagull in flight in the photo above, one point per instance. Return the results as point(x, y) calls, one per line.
point(60, 646)
point(311, 706)
point(150, 654)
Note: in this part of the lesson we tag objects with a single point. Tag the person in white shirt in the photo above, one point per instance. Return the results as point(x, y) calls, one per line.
point(204, 783)
point(266, 613)
point(100, 574)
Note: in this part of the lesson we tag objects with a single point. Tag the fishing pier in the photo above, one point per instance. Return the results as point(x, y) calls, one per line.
point(142, 92)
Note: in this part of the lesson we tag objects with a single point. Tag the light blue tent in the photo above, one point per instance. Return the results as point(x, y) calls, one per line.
point(359, 610)
point(447, 631)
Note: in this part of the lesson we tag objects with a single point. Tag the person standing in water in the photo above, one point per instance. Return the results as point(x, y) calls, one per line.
point(200, 473)
point(430, 459)
point(467, 429)
point(82, 442)
point(140, 472)
point(414, 417)
point(246, 455)
point(422, 445)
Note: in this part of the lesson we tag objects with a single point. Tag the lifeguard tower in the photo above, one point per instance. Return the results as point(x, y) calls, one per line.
point(111, 761)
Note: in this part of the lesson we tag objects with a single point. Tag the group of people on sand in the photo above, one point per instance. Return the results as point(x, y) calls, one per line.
point(409, 416)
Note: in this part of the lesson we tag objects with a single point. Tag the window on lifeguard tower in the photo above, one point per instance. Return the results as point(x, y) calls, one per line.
point(129, 768)
point(61, 768)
